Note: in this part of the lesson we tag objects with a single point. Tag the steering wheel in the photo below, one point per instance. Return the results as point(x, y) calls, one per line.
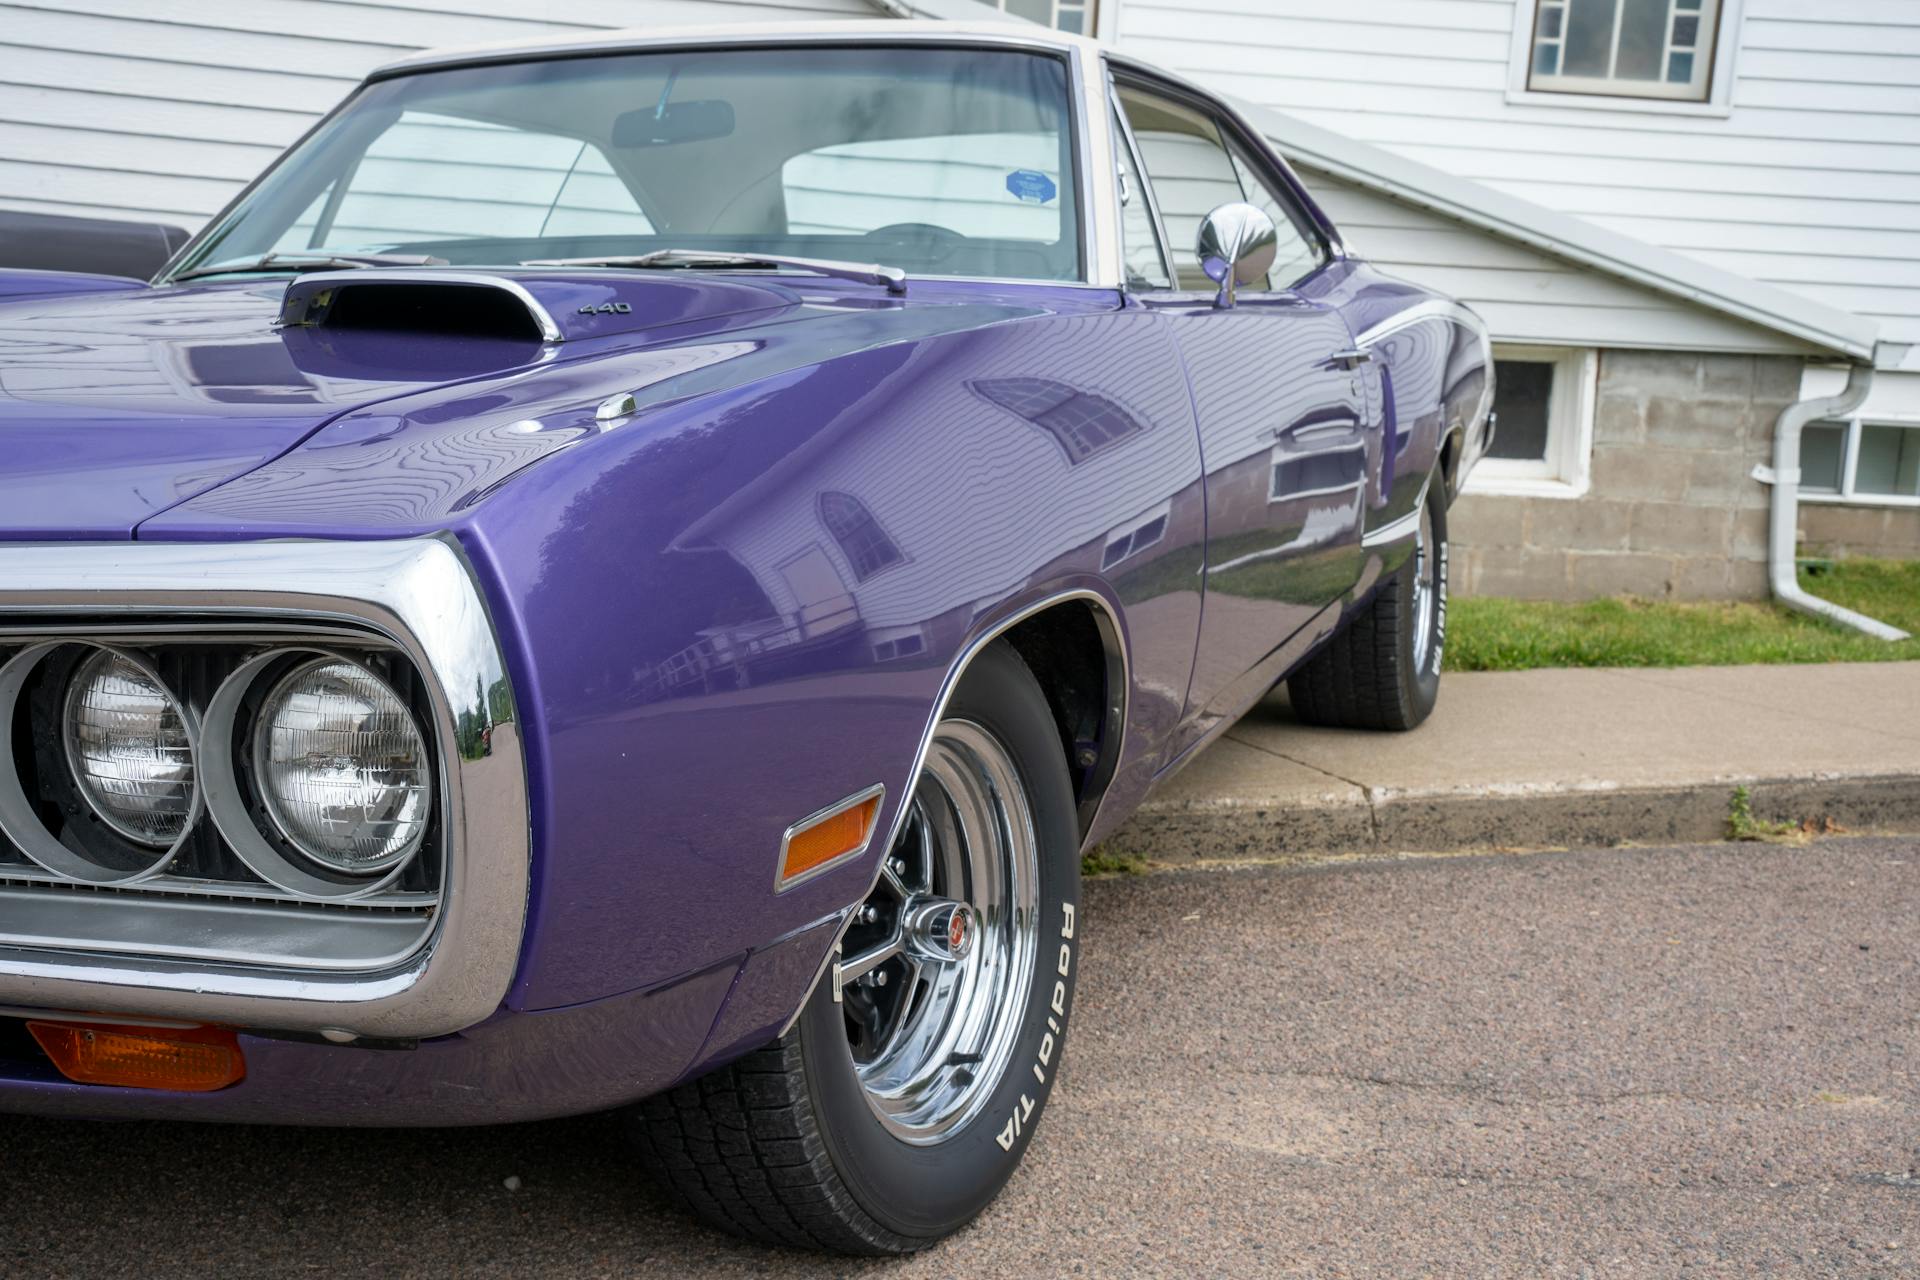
point(939, 241)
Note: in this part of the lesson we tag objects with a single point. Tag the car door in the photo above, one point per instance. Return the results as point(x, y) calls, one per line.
point(1287, 411)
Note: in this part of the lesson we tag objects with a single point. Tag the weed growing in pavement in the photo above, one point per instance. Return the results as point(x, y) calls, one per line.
point(1742, 825)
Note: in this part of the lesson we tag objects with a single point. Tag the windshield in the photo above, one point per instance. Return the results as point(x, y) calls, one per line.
point(938, 161)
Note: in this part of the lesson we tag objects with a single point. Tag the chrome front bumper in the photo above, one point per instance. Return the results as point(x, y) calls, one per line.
point(421, 596)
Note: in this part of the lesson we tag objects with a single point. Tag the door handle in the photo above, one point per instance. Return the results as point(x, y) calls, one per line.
point(1351, 358)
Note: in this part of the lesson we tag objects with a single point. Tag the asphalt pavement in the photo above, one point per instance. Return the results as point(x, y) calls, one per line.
point(1694, 1061)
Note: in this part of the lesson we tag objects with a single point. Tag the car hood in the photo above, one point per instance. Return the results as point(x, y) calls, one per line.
point(120, 401)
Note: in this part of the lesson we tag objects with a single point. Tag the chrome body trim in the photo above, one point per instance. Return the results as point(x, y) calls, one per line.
point(239, 932)
point(1119, 691)
point(780, 882)
point(1441, 309)
point(1403, 528)
point(420, 596)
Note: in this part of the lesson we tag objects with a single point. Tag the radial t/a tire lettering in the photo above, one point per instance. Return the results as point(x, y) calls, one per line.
point(910, 1087)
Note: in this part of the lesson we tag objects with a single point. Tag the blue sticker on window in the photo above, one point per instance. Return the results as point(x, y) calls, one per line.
point(1031, 186)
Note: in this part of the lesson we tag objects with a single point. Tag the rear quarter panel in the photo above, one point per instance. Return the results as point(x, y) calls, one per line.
point(1436, 369)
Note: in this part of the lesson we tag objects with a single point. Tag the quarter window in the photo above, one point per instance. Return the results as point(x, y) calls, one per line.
point(1543, 438)
point(1624, 48)
point(1146, 266)
point(866, 545)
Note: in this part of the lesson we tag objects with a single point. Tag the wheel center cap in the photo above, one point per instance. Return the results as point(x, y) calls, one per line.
point(940, 929)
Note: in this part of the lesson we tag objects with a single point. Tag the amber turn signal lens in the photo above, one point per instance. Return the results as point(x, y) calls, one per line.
point(819, 842)
point(189, 1059)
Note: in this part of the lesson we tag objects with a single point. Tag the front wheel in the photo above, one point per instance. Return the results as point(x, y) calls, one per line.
point(1383, 670)
point(902, 1099)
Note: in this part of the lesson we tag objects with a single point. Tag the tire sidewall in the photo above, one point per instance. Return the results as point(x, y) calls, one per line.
point(1423, 677)
point(929, 1191)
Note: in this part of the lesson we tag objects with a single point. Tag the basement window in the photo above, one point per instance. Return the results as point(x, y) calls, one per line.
point(1861, 461)
point(1631, 54)
point(1543, 446)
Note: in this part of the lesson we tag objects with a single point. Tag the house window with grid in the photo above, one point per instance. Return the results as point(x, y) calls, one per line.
point(1625, 48)
point(1861, 461)
point(1084, 424)
point(1065, 15)
point(866, 545)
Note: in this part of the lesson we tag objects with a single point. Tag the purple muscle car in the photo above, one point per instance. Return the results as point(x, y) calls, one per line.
point(624, 573)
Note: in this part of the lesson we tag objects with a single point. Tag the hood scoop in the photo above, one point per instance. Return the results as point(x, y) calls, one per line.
point(558, 306)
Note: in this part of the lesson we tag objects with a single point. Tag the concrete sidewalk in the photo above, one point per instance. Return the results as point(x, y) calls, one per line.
point(1555, 758)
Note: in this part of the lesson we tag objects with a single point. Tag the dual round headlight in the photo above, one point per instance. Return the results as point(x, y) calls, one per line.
point(127, 742)
point(342, 768)
point(339, 763)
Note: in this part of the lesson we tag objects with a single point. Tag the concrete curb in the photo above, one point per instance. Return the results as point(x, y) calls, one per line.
point(1387, 822)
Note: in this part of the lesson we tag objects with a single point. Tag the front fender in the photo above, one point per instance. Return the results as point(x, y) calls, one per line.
point(745, 607)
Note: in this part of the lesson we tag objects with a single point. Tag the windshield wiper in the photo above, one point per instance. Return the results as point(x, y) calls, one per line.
point(314, 262)
point(865, 272)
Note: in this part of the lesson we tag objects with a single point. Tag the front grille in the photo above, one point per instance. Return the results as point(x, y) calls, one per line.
point(231, 889)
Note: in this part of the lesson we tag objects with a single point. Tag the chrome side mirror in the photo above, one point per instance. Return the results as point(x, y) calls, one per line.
point(1236, 246)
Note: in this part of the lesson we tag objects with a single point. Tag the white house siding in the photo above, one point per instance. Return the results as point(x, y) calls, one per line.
point(163, 109)
point(1527, 297)
point(1812, 182)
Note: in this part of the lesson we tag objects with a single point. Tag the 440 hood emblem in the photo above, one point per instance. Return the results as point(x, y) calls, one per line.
point(607, 309)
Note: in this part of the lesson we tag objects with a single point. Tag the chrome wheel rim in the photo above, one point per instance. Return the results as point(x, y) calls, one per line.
point(1425, 588)
point(933, 1008)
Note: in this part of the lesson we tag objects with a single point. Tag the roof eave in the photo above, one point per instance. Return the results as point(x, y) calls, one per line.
point(1571, 239)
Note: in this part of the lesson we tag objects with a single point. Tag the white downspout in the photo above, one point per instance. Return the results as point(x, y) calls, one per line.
point(1784, 528)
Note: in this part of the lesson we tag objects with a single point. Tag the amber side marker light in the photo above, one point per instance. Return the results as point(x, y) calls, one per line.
point(190, 1059)
point(835, 833)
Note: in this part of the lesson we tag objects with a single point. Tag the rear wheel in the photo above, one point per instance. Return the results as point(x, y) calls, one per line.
point(1383, 670)
point(890, 1116)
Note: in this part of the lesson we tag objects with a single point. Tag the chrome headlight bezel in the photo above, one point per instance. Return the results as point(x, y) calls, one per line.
point(230, 948)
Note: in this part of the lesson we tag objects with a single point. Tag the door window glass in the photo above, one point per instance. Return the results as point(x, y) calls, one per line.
point(1193, 173)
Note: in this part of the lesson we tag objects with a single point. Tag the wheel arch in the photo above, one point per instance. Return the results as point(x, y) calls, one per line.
point(1043, 631)
point(1074, 649)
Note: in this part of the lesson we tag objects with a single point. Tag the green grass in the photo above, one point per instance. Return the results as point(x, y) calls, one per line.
point(1102, 861)
point(1489, 634)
